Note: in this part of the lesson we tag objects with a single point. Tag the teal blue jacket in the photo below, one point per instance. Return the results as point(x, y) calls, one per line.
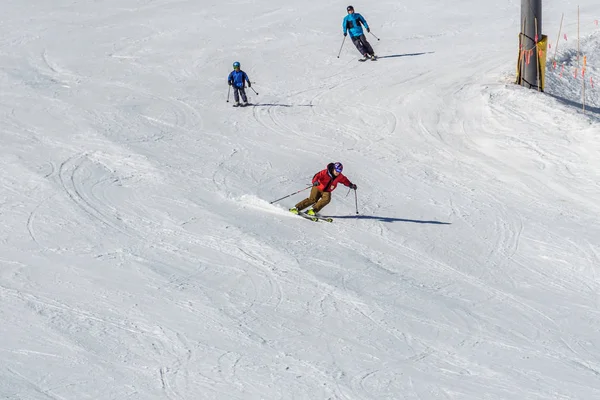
point(352, 23)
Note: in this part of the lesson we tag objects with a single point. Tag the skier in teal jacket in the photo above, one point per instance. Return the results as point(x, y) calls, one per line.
point(352, 23)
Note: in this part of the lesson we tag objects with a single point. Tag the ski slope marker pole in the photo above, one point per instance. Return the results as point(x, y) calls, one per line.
point(285, 197)
point(340, 52)
point(374, 35)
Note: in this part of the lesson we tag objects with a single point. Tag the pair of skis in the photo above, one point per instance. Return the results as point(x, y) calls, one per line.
point(314, 218)
point(368, 58)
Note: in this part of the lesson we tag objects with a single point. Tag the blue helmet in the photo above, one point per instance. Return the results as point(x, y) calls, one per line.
point(338, 167)
point(236, 64)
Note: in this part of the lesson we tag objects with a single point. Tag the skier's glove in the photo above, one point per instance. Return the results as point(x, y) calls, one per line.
point(316, 183)
point(346, 34)
point(229, 83)
point(352, 186)
point(249, 84)
point(369, 30)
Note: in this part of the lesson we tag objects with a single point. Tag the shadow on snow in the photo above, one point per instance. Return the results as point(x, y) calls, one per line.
point(575, 104)
point(279, 105)
point(389, 219)
point(405, 55)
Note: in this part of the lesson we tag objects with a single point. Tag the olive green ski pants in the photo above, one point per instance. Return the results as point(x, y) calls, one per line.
point(316, 196)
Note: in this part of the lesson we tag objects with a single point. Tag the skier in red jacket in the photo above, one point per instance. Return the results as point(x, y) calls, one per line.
point(324, 182)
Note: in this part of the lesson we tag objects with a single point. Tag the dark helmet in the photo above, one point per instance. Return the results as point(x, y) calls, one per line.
point(236, 64)
point(349, 8)
point(338, 167)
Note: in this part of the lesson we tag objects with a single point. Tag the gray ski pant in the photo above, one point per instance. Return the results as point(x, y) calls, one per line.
point(363, 45)
point(236, 94)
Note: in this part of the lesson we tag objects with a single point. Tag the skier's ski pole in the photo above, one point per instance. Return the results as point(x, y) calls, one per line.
point(356, 201)
point(254, 90)
point(228, 90)
point(340, 52)
point(285, 197)
point(374, 35)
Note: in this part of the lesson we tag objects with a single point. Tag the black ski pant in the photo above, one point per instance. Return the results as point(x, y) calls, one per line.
point(362, 45)
point(236, 94)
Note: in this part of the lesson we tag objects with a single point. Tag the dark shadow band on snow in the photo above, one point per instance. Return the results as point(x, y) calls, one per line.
point(405, 55)
point(575, 104)
point(280, 105)
point(389, 219)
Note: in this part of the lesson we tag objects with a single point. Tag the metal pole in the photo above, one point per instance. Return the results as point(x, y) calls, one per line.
point(531, 15)
point(340, 52)
point(291, 194)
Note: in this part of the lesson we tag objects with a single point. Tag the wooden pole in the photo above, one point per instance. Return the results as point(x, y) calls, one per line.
point(583, 93)
point(521, 54)
point(577, 36)
point(583, 83)
point(558, 39)
point(578, 65)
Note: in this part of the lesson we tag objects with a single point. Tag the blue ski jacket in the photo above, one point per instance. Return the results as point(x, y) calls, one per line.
point(237, 78)
point(352, 23)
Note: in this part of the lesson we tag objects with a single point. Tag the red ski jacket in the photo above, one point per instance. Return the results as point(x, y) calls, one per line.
point(327, 181)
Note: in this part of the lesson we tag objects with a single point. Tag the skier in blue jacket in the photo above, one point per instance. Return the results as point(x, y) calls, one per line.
point(237, 79)
point(352, 23)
